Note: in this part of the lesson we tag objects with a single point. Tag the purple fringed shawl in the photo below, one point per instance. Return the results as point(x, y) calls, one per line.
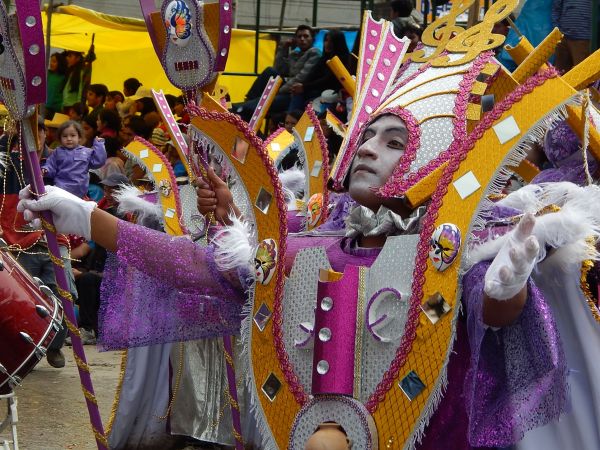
point(502, 383)
point(517, 378)
point(158, 288)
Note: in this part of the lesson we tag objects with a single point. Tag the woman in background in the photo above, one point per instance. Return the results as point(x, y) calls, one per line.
point(57, 74)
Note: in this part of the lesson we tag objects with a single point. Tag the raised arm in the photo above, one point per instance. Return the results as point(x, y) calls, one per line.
point(98, 158)
point(506, 279)
point(177, 260)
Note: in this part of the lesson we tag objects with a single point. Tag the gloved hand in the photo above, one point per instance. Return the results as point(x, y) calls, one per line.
point(71, 214)
point(513, 264)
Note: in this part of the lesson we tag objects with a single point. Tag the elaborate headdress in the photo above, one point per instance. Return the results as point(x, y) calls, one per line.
point(434, 90)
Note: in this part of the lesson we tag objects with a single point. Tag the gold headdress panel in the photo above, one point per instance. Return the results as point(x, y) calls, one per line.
point(433, 91)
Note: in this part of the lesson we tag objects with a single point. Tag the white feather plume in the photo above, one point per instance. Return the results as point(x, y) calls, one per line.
point(130, 200)
point(533, 197)
point(233, 247)
point(568, 231)
point(293, 182)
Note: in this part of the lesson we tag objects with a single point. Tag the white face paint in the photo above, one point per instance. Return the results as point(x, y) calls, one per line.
point(379, 151)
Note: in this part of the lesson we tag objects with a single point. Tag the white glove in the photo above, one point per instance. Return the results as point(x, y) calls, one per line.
point(71, 214)
point(513, 264)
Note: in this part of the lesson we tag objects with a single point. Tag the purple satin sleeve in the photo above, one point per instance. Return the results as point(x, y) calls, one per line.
point(517, 375)
point(158, 288)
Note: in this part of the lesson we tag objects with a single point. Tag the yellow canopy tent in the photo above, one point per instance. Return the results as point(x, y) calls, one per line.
point(123, 49)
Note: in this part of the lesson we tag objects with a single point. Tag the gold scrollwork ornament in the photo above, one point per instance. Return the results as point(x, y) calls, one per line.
point(440, 32)
point(478, 38)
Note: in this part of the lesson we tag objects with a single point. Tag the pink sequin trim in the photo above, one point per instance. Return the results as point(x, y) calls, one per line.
point(400, 182)
point(273, 135)
point(459, 152)
point(324, 158)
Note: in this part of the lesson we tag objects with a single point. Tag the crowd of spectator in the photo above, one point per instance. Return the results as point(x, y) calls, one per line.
point(81, 144)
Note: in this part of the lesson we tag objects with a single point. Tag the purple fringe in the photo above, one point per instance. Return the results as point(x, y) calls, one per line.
point(159, 289)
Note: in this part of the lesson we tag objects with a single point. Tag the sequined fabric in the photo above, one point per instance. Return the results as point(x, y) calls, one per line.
point(517, 375)
point(159, 288)
point(342, 205)
point(563, 149)
point(449, 423)
point(560, 142)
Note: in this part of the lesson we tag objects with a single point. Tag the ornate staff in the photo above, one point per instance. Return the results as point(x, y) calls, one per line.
point(192, 50)
point(22, 86)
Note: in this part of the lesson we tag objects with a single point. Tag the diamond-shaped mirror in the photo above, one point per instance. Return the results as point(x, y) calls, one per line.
point(240, 150)
point(271, 386)
point(262, 316)
point(435, 307)
point(411, 385)
point(263, 200)
point(316, 168)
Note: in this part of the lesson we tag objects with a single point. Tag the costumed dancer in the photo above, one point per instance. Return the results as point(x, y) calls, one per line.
point(353, 345)
point(197, 403)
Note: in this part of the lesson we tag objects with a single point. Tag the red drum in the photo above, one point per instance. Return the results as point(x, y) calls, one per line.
point(29, 321)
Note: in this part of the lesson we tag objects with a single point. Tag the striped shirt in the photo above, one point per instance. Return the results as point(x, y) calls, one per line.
point(573, 18)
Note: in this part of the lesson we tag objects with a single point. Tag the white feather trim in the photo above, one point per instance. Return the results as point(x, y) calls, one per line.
point(533, 197)
point(232, 245)
point(568, 231)
point(293, 180)
point(130, 200)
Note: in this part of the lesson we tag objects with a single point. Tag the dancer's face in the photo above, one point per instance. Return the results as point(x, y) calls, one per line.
point(379, 151)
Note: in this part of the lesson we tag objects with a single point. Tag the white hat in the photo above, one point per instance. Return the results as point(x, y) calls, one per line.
point(142, 92)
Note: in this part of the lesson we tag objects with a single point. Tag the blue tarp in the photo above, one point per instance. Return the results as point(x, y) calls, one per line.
point(534, 22)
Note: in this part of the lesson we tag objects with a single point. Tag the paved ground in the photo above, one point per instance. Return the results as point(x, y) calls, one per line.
point(52, 411)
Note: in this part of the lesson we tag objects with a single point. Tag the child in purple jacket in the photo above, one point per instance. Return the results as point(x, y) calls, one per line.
point(70, 163)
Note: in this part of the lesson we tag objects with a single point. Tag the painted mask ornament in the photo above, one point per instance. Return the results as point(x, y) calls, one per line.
point(444, 246)
point(314, 210)
point(165, 188)
point(265, 261)
point(178, 22)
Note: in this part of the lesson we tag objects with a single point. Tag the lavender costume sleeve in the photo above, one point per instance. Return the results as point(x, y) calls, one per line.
point(158, 288)
point(98, 156)
point(517, 375)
